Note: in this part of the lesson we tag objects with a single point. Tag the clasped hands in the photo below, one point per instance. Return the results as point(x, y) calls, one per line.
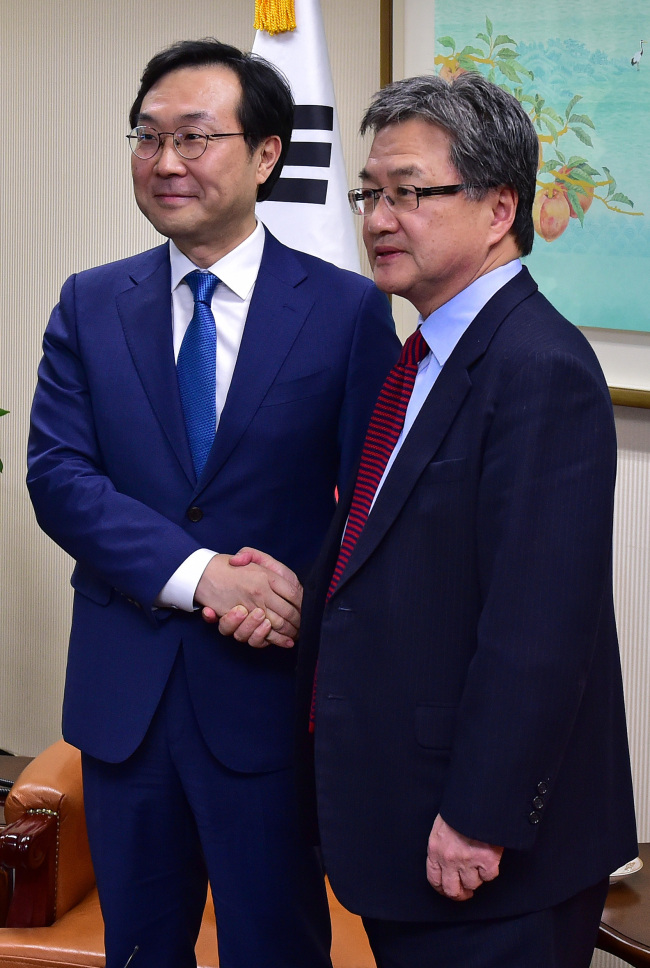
point(253, 597)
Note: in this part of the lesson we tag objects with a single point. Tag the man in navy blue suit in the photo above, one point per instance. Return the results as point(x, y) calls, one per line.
point(472, 775)
point(151, 481)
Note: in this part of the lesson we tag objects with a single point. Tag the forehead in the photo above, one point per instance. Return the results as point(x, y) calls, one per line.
point(409, 148)
point(193, 93)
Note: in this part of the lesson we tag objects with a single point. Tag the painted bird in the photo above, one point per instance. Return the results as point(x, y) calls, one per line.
point(636, 58)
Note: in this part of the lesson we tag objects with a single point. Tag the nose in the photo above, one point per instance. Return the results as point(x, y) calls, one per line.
point(381, 219)
point(168, 161)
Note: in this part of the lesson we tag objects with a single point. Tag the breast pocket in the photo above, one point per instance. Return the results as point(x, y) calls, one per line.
point(441, 471)
point(301, 388)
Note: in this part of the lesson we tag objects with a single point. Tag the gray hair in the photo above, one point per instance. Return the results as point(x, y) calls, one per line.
point(492, 140)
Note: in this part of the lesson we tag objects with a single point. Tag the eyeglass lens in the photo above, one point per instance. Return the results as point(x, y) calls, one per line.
point(190, 142)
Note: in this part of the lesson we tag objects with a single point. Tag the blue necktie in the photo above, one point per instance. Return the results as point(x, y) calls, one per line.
point(196, 369)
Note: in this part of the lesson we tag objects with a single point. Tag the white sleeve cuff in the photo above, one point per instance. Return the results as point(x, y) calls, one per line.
point(179, 591)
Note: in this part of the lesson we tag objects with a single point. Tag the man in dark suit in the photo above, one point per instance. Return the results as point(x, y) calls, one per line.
point(471, 764)
point(187, 736)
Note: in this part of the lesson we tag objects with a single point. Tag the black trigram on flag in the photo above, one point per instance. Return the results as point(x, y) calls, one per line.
point(307, 154)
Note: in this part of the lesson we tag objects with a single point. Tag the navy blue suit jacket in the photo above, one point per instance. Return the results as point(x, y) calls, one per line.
point(468, 662)
point(111, 480)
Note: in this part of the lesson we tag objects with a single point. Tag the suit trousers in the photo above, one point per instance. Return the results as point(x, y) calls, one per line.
point(170, 817)
point(559, 937)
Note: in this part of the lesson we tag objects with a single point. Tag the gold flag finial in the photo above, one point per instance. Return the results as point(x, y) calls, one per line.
point(275, 16)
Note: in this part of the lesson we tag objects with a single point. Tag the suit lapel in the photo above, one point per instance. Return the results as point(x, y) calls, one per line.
point(145, 313)
point(276, 315)
point(435, 418)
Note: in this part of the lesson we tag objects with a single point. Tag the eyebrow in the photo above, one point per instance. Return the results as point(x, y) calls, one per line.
point(405, 171)
point(190, 116)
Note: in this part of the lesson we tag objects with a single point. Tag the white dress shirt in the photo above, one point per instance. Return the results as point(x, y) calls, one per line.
point(442, 330)
point(237, 273)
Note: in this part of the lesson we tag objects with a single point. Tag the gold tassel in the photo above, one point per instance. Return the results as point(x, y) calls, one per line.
point(275, 16)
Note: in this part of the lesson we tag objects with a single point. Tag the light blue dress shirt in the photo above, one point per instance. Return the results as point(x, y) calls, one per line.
point(442, 330)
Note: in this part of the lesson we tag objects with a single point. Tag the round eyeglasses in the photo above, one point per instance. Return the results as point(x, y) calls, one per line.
point(402, 198)
point(189, 142)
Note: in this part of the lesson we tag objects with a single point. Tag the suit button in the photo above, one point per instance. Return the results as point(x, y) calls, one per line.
point(195, 514)
point(538, 803)
point(542, 788)
point(534, 818)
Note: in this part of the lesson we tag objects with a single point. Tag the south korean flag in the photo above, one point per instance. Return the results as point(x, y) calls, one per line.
point(308, 207)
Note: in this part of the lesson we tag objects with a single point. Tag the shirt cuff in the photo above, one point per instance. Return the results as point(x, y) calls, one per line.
point(179, 591)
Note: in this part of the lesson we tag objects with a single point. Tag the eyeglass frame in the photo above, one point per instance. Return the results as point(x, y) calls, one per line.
point(377, 193)
point(163, 134)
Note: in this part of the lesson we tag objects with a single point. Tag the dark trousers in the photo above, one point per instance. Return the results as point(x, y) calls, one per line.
point(172, 816)
point(559, 937)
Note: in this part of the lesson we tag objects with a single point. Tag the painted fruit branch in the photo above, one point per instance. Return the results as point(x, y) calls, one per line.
point(571, 184)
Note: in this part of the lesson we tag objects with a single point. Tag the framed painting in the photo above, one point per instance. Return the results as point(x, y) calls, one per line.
point(580, 73)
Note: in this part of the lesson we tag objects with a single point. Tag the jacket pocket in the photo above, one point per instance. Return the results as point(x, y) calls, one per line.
point(444, 470)
point(298, 389)
point(435, 724)
point(91, 586)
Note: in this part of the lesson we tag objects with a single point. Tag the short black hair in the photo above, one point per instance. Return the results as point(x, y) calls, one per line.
point(492, 141)
point(266, 106)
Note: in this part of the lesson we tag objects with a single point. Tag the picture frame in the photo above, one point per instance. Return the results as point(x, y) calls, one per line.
point(624, 355)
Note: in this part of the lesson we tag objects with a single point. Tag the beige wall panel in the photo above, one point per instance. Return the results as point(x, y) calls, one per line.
point(69, 72)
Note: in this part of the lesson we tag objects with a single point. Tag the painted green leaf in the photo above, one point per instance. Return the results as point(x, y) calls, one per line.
point(492, 75)
point(588, 171)
point(484, 38)
point(472, 50)
point(576, 160)
point(553, 115)
point(551, 165)
point(508, 71)
point(549, 127)
point(447, 42)
point(612, 181)
point(574, 198)
point(582, 136)
point(571, 104)
point(504, 39)
point(508, 53)
point(488, 25)
point(582, 119)
point(623, 199)
point(466, 63)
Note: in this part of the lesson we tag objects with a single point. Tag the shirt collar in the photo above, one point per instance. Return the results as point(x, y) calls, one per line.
point(237, 269)
point(444, 327)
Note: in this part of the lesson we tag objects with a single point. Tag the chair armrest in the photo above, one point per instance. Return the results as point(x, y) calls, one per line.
point(51, 786)
point(29, 846)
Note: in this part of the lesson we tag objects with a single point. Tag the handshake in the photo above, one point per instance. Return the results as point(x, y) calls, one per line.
point(253, 597)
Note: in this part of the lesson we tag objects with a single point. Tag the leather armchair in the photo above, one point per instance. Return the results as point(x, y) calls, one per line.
point(54, 918)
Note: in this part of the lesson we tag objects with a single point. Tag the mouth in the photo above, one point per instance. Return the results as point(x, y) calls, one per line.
point(386, 254)
point(172, 198)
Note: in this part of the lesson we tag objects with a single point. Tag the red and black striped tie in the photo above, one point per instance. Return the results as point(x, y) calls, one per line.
point(383, 432)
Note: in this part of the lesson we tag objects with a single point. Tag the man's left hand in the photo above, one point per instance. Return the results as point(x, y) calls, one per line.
point(458, 865)
point(253, 627)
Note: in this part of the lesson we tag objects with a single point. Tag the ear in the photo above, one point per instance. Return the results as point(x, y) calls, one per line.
point(504, 208)
point(268, 153)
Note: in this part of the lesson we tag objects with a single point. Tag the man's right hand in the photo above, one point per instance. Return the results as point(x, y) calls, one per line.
point(260, 597)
